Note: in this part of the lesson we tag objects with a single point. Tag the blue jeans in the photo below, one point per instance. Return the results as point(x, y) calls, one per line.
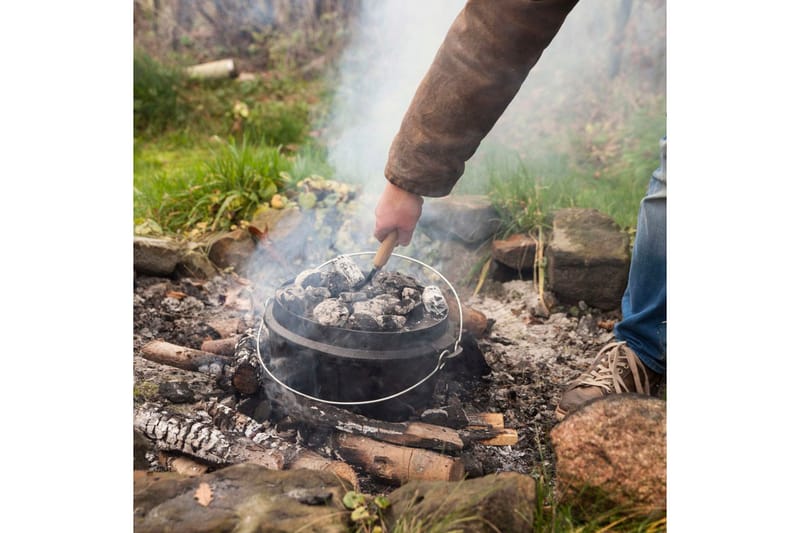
point(644, 304)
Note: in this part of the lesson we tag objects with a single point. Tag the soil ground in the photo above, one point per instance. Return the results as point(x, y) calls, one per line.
point(530, 357)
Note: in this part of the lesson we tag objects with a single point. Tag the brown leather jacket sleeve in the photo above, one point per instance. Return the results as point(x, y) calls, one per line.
point(485, 57)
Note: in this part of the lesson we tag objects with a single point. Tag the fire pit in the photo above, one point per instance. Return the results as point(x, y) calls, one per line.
point(373, 350)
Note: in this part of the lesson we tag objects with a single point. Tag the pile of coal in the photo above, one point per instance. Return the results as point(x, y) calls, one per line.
point(391, 301)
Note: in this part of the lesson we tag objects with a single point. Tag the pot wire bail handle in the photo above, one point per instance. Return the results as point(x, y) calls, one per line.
point(440, 363)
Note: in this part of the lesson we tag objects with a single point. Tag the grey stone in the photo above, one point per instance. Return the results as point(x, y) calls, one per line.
point(470, 218)
point(244, 497)
point(232, 250)
point(497, 502)
point(588, 258)
point(195, 264)
point(612, 452)
point(517, 252)
point(157, 257)
point(176, 392)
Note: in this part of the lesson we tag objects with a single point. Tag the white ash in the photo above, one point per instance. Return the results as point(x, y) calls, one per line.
point(315, 295)
point(331, 312)
point(383, 304)
point(394, 282)
point(398, 298)
point(310, 277)
point(390, 322)
point(349, 269)
point(351, 297)
point(293, 298)
point(434, 301)
point(410, 300)
point(363, 322)
point(336, 282)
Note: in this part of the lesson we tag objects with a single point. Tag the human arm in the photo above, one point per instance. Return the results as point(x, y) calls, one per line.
point(485, 57)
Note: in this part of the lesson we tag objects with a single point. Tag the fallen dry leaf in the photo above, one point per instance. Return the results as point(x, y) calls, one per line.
point(204, 494)
point(178, 295)
point(607, 325)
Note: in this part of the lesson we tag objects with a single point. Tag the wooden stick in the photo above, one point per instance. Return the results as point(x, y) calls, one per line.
point(184, 358)
point(397, 464)
point(314, 461)
point(507, 437)
point(182, 465)
point(504, 436)
point(493, 420)
point(226, 346)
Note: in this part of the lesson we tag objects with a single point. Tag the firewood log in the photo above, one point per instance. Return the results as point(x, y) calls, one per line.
point(197, 437)
point(225, 346)
point(504, 437)
point(246, 371)
point(397, 464)
point(184, 358)
point(414, 434)
point(228, 419)
point(314, 461)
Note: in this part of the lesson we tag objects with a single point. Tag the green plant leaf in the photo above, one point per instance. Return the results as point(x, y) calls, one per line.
point(352, 499)
point(222, 209)
point(382, 502)
point(307, 200)
point(359, 514)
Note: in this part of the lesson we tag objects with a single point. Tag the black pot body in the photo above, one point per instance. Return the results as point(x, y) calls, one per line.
point(356, 366)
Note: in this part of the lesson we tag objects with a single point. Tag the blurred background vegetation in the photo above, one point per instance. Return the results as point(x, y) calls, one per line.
point(208, 152)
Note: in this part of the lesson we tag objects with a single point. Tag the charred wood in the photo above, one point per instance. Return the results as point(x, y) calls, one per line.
point(198, 438)
point(246, 371)
point(413, 434)
point(231, 420)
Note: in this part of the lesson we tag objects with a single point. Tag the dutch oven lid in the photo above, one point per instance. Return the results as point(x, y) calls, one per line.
point(355, 344)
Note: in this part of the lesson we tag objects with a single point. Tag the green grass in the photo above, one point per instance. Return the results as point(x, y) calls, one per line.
point(208, 152)
point(542, 515)
point(157, 102)
point(604, 165)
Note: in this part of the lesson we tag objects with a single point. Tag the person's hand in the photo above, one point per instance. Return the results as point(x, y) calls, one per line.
point(397, 209)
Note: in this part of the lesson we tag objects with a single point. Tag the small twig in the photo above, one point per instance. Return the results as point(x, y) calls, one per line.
point(482, 278)
point(540, 267)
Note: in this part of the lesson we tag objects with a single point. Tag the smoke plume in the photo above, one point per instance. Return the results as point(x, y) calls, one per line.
point(395, 41)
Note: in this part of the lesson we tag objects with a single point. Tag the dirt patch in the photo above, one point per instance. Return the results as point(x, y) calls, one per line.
point(530, 357)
